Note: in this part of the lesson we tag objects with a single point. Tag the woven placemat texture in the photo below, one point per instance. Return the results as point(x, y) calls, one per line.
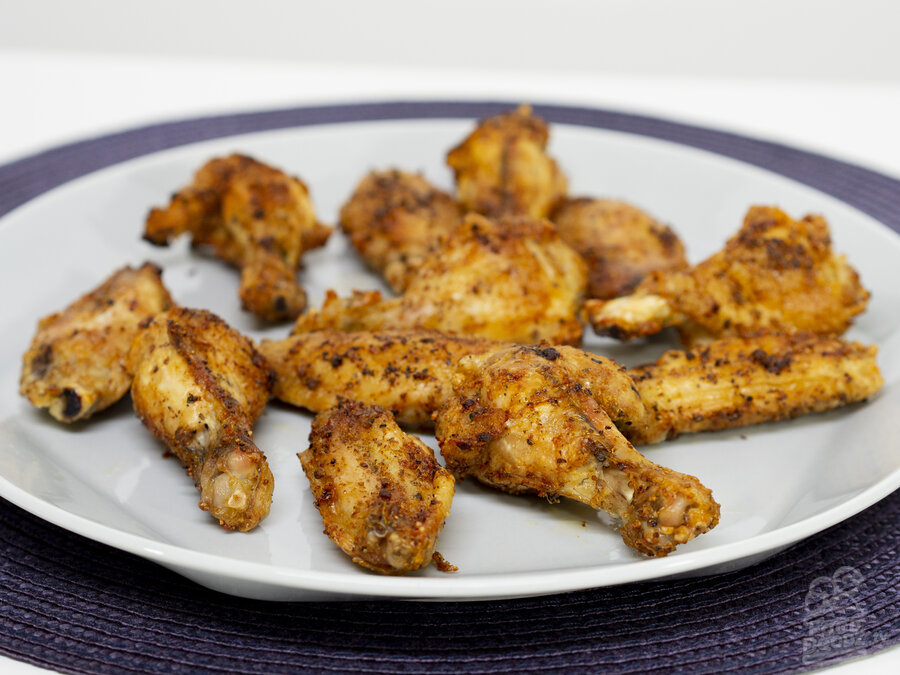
point(74, 605)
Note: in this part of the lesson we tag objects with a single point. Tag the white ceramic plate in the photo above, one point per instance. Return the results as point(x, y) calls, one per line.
point(106, 479)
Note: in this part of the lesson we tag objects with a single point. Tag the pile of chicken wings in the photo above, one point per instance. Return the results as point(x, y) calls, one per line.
point(493, 288)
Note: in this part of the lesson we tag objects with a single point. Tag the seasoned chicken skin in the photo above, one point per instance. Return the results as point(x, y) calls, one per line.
point(502, 167)
point(75, 365)
point(620, 243)
point(406, 372)
point(199, 386)
point(543, 420)
point(512, 279)
point(735, 382)
point(395, 219)
point(382, 495)
point(730, 382)
point(254, 217)
point(775, 275)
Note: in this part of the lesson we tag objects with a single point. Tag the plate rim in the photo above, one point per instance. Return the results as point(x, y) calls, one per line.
point(470, 587)
point(479, 586)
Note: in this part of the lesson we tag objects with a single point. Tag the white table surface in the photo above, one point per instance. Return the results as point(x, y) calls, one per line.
point(56, 97)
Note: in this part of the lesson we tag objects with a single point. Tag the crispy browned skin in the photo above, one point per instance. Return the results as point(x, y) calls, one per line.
point(395, 219)
point(775, 275)
point(254, 217)
point(542, 420)
point(735, 382)
point(620, 243)
point(512, 279)
point(406, 372)
point(382, 495)
point(502, 167)
point(730, 382)
point(75, 365)
point(199, 386)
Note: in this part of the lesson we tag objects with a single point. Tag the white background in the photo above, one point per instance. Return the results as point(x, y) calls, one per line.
point(818, 74)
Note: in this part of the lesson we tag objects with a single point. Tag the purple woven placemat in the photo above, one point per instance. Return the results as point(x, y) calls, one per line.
point(74, 605)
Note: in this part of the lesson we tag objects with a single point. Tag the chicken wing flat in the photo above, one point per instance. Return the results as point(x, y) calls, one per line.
point(408, 373)
point(199, 386)
point(75, 365)
point(731, 382)
point(254, 217)
point(735, 382)
point(382, 495)
point(395, 219)
point(542, 420)
point(512, 279)
point(775, 275)
point(620, 243)
point(502, 167)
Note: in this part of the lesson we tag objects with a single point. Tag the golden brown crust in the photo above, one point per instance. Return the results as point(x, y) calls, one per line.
point(382, 495)
point(540, 420)
point(620, 243)
point(775, 275)
point(75, 364)
point(736, 382)
point(502, 168)
point(395, 220)
point(512, 279)
point(254, 217)
point(405, 372)
point(199, 386)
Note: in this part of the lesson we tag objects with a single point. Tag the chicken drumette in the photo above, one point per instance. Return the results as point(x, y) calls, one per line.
point(382, 495)
point(199, 386)
point(254, 217)
point(620, 243)
point(395, 220)
point(502, 167)
point(511, 279)
point(775, 275)
point(75, 365)
point(543, 420)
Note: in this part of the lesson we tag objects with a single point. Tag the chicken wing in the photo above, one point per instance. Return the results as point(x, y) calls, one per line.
point(512, 279)
point(620, 243)
point(405, 372)
point(382, 495)
point(735, 382)
point(254, 217)
point(199, 386)
point(730, 382)
point(775, 275)
point(543, 420)
point(502, 167)
point(395, 219)
point(75, 365)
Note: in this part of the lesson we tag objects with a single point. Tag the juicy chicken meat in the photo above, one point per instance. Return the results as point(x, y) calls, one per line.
point(254, 217)
point(382, 495)
point(199, 386)
point(395, 220)
point(543, 420)
point(775, 275)
point(620, 243)
point(735, 382)
point(502, 167)
point(75, 365)
point(512, 279)
point(406, 372)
